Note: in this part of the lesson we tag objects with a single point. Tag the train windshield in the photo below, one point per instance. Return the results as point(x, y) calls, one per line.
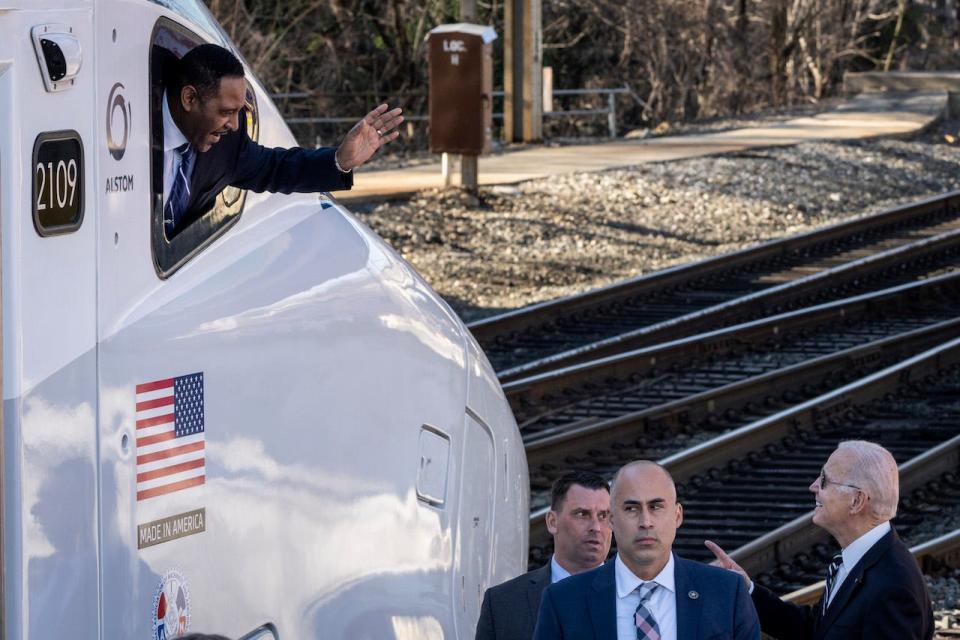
point(197, 13)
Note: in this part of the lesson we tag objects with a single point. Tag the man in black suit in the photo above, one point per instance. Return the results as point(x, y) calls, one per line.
point(874, 588)
point(205, 149)
point(579, 520)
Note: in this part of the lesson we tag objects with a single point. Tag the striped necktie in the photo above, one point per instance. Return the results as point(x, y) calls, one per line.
point(180, 190)
point(647, 628)
point(832, 571)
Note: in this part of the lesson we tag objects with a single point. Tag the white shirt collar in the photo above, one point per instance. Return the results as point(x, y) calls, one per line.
point(172, 136)
point(627, 581)
point(859, 547)
point(558, 573)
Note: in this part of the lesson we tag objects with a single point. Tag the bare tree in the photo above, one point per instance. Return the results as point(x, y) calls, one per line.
point(682, 59)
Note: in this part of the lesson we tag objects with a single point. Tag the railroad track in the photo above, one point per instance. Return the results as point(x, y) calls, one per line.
point(617, 393)
point(797, 553)
point(762, 280)
point(933, 556)
point(665, 429)
point(745, 484)
point(939, 560)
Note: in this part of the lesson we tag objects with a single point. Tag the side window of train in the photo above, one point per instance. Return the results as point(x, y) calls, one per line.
point(173, 248)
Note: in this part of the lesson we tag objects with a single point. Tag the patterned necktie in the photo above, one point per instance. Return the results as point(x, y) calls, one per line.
point(832, 571)
point(180, 190)
point(647, 628)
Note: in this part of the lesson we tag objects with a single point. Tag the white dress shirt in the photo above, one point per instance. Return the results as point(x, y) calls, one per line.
point(854, 552)
point(662, 604)
point(558, 573)
point(172, 138)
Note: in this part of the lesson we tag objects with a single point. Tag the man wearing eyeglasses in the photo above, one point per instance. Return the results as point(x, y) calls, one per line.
point(874, 588)
point(579, 521)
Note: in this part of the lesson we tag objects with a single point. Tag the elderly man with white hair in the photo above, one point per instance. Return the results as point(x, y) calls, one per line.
point(874, 588)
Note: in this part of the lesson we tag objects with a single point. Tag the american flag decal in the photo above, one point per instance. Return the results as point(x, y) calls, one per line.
point(170, 435)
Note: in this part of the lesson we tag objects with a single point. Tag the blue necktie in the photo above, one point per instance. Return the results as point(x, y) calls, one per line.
point(180, 190)
point(647, 627)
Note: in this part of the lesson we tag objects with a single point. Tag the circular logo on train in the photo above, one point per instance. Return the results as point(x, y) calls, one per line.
point(118, 121)
point(171, 607)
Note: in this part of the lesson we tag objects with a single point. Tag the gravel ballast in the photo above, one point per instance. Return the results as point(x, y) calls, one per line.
point(515, 245)
point(945, 594)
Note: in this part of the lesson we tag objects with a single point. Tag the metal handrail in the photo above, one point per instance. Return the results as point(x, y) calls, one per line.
point(342, 120)
point(610, 111)
point(574, 92)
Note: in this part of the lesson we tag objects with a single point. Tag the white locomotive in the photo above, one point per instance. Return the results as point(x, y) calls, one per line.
point(268, 423)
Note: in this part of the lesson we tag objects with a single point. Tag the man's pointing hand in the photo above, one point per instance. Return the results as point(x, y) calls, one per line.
point(725, 561)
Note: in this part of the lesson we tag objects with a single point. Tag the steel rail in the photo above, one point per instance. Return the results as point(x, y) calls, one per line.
point(609, 441)
point(943, 550)
point(779, 545)
point(540, 397)
point(516, 339)
point(694, 466)
point(902, 263)
point(488, 330)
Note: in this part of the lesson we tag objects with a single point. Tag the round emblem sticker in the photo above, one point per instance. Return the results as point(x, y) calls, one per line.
point(118, 121)
point(171, 607)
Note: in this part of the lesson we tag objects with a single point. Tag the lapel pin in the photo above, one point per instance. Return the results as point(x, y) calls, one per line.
point(693, 595)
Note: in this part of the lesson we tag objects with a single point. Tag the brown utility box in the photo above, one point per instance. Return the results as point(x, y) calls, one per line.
point(460, 60)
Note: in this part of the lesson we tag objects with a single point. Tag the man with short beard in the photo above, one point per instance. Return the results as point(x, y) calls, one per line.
point(579, 521)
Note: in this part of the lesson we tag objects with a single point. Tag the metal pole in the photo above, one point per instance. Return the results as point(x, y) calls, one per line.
point(513, 71)
point(468, 173)
point(468, 164)
point(522, 62)
point(612, 114)
point(548, 89)
point(445, 169)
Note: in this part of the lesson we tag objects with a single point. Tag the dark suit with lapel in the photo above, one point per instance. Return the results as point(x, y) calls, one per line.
point(712, 604)
point(236, 161)
point(509, 610)
point(883, 596)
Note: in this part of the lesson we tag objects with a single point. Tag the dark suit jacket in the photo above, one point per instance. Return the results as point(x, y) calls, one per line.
point(584, 606)
point(883, 597)
point(509, 610)
point(237, 161)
